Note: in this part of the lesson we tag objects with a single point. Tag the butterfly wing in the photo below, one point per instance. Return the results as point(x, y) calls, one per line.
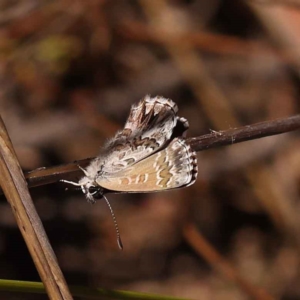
point(173, 167)
point(149, 127)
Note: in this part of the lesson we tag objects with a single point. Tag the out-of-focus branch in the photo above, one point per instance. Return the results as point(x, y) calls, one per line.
point(281, 23)
point(215, 259)
point(206, 41)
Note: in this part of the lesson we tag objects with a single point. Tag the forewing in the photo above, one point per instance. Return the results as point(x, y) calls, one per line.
point(148, 128)
point(173, 167)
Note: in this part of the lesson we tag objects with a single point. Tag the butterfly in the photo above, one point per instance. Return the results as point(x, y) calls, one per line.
point(149, 155)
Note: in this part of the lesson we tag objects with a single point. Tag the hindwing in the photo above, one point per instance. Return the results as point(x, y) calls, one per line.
point(174, 166)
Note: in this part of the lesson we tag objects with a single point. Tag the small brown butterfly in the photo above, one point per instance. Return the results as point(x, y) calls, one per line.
point(148, 155)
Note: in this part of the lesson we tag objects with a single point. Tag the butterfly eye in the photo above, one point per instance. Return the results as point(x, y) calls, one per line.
point(92, 189)
point(96, 192)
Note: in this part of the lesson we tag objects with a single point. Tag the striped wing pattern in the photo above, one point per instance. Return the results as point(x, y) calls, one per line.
point(149, 126)
point(149, 154)
point(173, 167)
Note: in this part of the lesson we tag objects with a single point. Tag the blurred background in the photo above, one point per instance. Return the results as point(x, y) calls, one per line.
point(69, 73)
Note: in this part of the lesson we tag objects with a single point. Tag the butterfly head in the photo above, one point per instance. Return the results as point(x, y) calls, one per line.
point(89, 187)
point(91, 190)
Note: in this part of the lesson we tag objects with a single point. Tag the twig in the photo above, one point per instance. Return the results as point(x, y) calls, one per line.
point(15, 189)
point(69, 171)
point(246, 133)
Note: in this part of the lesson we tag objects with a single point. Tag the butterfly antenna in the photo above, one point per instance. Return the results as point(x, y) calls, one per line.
point(119, 241)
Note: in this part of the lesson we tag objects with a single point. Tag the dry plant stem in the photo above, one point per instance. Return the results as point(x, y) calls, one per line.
point(15, 189)
point(201, 246)
point(246, 133)
point(70, 171)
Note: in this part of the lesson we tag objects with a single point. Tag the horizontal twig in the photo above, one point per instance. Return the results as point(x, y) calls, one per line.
point(43, 176)
point(245, 133)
